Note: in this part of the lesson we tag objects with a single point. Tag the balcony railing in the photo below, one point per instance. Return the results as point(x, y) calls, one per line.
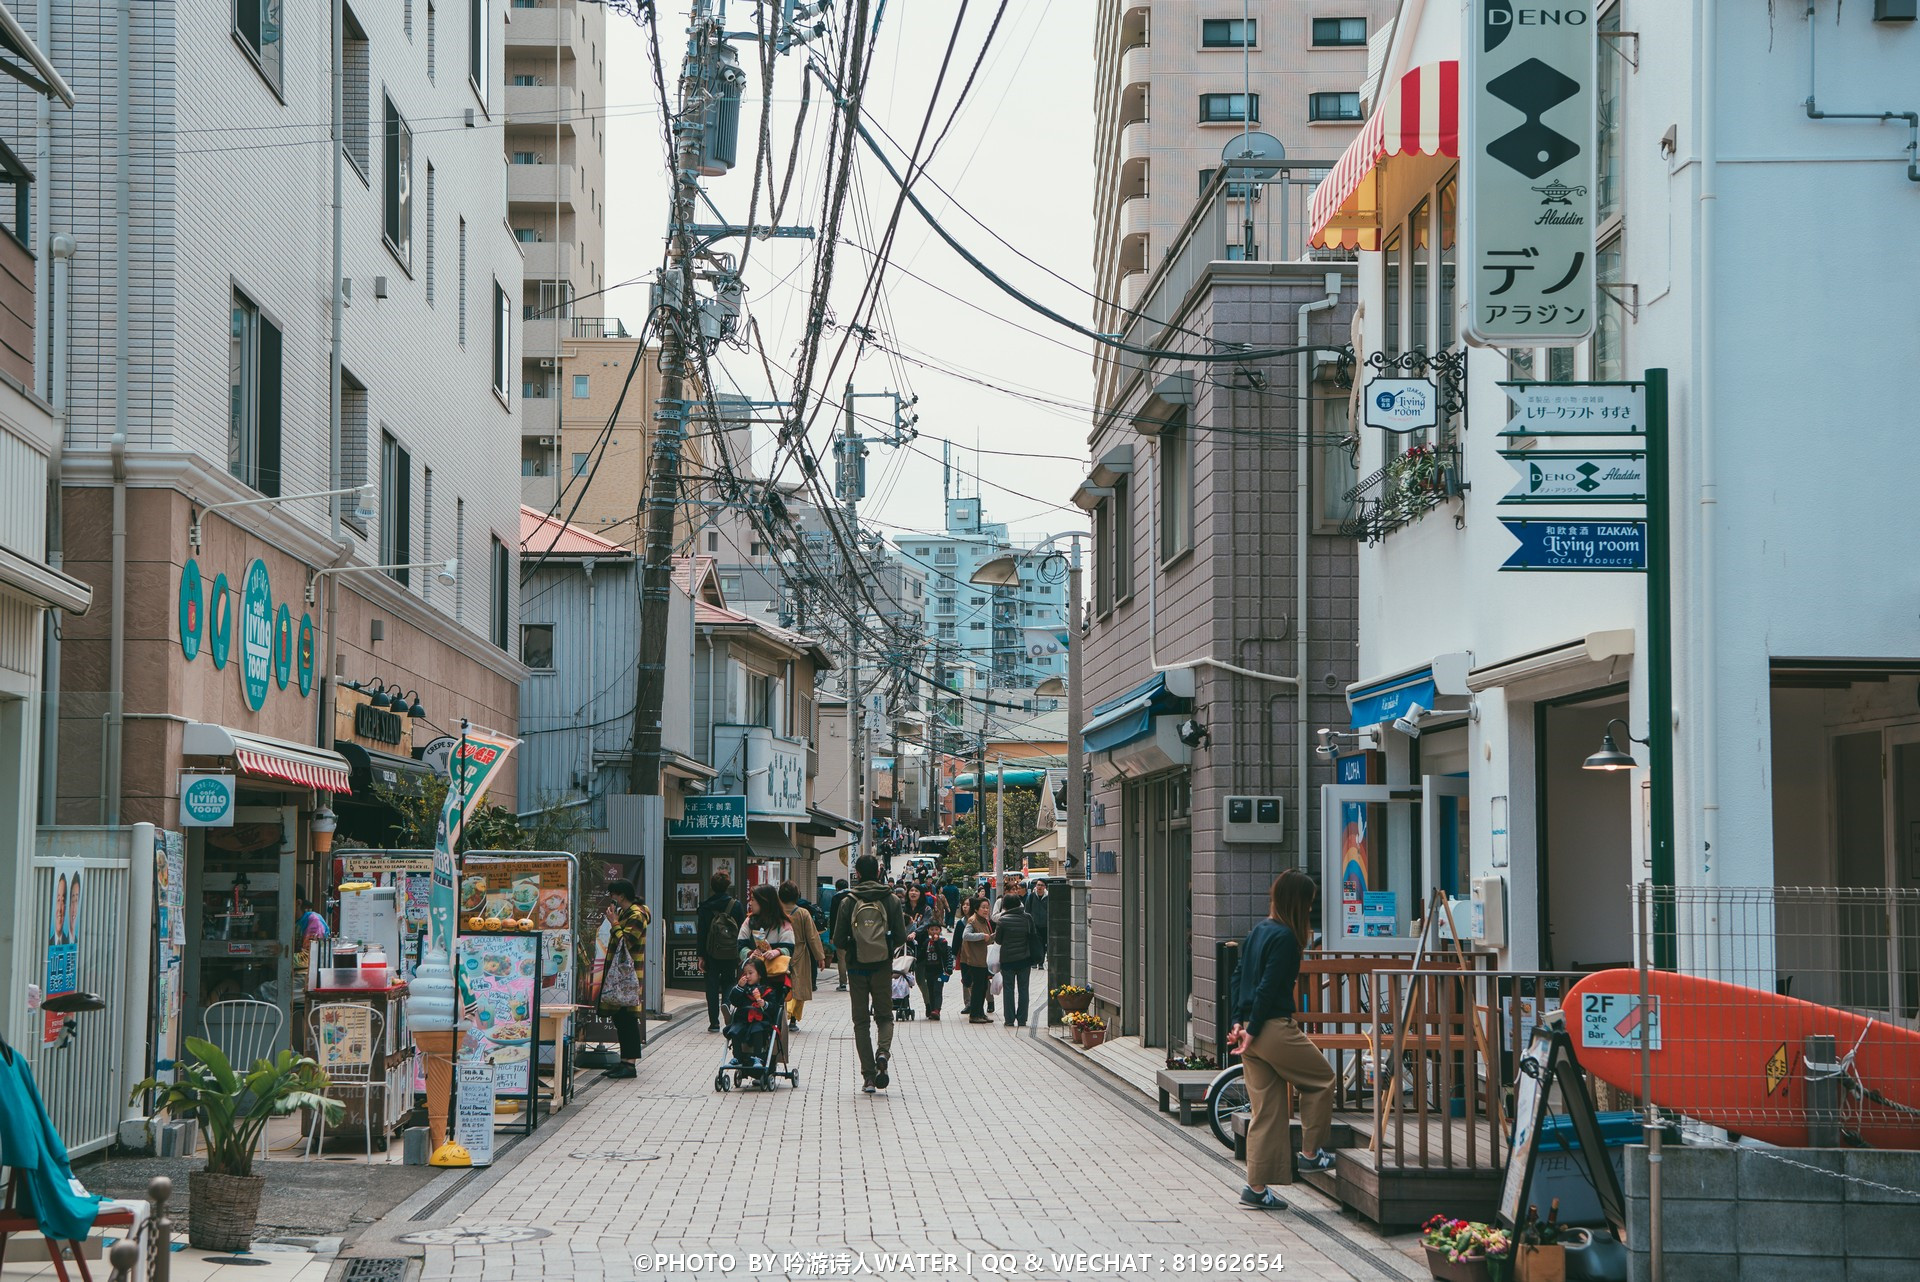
point(1406, 489)
point(599, 327)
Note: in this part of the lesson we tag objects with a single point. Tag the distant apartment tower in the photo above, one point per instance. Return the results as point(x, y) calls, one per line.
point(990, 636)
point(556, 144)
point(1171, 90)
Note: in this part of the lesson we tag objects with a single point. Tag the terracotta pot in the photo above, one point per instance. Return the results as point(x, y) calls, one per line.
point(1094, 1037)
point(1079, 1035)
point(1073, 1005)
point(222, 1210)
point(1470, 1269)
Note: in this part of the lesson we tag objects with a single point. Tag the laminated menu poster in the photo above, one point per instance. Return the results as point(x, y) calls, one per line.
point(535, 887)
point(473, 1111)
point(502, 974)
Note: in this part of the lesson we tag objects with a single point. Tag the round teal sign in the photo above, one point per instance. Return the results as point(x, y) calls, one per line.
point(207, 800)
point(282, 647)
point(304, 664)
point(220, 622)
point(191, 609)
point(256, 634)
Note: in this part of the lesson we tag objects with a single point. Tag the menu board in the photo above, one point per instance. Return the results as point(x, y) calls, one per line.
point(500, 972)
point(342, 1036)
point(541, 888)
point(473, 1111)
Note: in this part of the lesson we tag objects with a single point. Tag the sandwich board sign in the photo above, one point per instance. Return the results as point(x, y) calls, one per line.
point(1527, 172)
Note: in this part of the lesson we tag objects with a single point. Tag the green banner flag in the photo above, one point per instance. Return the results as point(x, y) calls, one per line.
point(474, 765)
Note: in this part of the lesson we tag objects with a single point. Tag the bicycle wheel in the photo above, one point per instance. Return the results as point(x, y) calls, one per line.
point(1226, 1099)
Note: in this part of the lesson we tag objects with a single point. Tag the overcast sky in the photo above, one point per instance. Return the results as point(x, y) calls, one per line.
point(1018, 159)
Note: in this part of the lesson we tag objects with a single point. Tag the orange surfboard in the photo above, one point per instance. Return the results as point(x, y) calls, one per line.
point(1735, 1057)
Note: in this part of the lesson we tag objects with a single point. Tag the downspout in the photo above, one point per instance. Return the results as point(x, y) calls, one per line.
point(122, 220)
point(62, 248)
point(1814, 113)
point(1303, 528)
point(1708, 631)
point(323, 735)
point(593, 689)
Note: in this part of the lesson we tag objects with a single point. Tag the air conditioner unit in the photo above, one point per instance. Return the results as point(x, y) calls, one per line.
point(546, 440)
point(546, 362)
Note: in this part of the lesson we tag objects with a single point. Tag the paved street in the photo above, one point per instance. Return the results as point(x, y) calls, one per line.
point(989, 1143)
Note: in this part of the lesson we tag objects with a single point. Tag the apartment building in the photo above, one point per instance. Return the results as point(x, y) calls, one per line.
point(556, 145)
point(1175, 83)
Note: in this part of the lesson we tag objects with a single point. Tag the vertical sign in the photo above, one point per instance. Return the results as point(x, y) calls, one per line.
point(1527, 172)
point(475, 764)
point(63, 942)
point(473, 1111)
point(256, 634)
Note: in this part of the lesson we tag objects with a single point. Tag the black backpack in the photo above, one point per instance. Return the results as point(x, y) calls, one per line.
point(723, 932)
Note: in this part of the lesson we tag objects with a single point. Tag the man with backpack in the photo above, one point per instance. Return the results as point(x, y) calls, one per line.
point(868, 929)
point(718, 926)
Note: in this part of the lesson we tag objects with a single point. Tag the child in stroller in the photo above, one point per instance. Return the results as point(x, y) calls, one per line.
point(756, 1036)
point(903, 986)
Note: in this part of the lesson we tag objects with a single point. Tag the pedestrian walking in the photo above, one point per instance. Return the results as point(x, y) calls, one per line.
point(839, 958)
point(1276, 1054)
point(1017, 938)
point(627, 922)
point(932, 963)
point(950, 891)
point(717, 925)
point(808, 953)
point(867, 930)
point(976, 933)
point(767, 936)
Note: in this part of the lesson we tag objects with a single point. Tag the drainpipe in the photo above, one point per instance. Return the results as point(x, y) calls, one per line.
point(593, 687)
point(62, 248)
point(1814, 113)
point(1708, 628)
point(1303, 526)
point(122, 218)
point(342, 547)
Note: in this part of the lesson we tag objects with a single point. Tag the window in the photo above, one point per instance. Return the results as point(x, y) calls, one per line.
point(1229, 33)
point(580, 386)
point(523, 81)
point(1449, 216)
point(1417, 275)
point(943, 605)
point(463, 282)
point(426, 530)
point(1175, 447)
point(257, 26)
point(978, 600)
point(429, 235)
point(502, 340)
point(396, 507)
point(1339, 32)
point(536, 646)
point(977, 626)
point(580, 463)
point(1609, 92)
point(713, 541)
point(502, 589)
point(1560, 365)
point(16, 204)
point(433, 42)
point(1610, 321)
point(946, 631)
point(479, 20)
point(756, 548)
point(1122, 538)
point(406, 17)
point(1333, 106)
point(356, 66)
point(397, 186)
point(729, 584)
point(353, 449)
point(1103, 557)
point(1217, 108)
point(253, 368)
point(1391, 268)
point(1338, 465)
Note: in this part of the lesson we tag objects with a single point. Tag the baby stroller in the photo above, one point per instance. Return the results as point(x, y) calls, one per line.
point(756, 1065)
point(903, 986)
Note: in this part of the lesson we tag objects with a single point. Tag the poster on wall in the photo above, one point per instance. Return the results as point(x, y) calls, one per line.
point(65, 903)
point(169, 897)
point(501, 975)
point(342, 1036)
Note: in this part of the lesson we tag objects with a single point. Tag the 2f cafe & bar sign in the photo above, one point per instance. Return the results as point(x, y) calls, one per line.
point(1527, 172)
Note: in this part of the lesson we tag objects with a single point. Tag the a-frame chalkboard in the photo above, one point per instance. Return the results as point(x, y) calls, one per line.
point(1549, 1062)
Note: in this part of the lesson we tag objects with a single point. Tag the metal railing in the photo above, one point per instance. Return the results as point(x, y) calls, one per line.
point(599, 327)
point(83, 1083)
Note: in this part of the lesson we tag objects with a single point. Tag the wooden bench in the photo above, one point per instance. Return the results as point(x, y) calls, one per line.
point(1188, 1087)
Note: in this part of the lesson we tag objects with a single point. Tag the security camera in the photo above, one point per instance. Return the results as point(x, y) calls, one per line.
point(1325, 747)
point(1408, 723)
point(1193, 734)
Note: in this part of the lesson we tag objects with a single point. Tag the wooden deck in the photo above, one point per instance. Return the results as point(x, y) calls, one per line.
point(1404, 1190)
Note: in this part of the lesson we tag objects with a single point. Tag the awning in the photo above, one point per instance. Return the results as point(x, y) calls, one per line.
point(1419, 117)
point(774, 844)
point(1385, 700)
point(1130, 716)
point(295, 763)
point(1015, 779)
point(824, 823)
point(375, 773)
point(44, 583)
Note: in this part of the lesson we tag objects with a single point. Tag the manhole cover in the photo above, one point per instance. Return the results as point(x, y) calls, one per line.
point(477, 1236)
point(375, 1270)
point(614, 1155)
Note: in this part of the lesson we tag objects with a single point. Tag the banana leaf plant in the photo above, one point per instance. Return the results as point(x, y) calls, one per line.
point(233, 1108)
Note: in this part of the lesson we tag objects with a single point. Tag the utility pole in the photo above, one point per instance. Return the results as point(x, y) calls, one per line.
point(852, 478)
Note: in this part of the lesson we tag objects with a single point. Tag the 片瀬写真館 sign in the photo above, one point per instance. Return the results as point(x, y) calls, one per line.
point(206, 801)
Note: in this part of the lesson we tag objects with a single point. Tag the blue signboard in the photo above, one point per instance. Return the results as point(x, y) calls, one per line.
point(1577, 545)
point(718, 817)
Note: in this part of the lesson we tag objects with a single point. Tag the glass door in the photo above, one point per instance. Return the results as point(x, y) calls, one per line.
point(1443, 813)
point(1369, 895)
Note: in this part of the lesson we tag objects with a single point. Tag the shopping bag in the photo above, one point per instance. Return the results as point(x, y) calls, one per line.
point(996, 984)
point(621, 986)
point(993, 960)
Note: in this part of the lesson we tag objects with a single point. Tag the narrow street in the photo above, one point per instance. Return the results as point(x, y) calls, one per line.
point(991, 1143)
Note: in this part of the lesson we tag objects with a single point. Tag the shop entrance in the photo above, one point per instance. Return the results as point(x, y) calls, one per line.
point(1388, 847)
point(1585, 826)
point(240, 912)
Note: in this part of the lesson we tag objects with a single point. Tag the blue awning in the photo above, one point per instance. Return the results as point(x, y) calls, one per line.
point(1385, 700)
point(1121, 720)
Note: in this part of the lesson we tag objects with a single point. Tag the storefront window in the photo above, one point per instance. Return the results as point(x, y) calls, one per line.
point(1392, 264)
point(1608, 94)
point(1449, 198)
point(1609, 331)
point(1418, 232)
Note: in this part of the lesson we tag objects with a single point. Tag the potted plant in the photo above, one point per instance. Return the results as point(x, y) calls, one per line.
point(1193, 1060)
point(223, 1200)
point(1082, 1024)
point(1072, 997)
point(1465, 1250)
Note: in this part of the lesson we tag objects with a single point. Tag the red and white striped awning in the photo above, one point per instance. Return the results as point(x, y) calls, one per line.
point(1420, 116)
point(300, 764)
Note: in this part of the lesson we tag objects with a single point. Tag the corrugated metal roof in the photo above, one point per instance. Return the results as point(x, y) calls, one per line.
point(543, 534)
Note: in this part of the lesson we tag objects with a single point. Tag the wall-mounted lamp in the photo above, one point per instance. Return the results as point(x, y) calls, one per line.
point(1610, 757)
point(194, 529)
point(447, 571)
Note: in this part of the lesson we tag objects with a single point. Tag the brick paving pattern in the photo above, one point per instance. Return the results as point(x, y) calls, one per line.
point(988, 1144)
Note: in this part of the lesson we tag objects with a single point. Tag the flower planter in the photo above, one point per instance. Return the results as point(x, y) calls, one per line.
point(1079, 1036)
point(1094, 1037)
point(222, 1210)
point(1074, 1005)
point(1472, 1268)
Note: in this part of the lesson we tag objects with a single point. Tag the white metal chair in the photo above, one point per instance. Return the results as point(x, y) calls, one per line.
point(345, 1038)
point(246, 1030)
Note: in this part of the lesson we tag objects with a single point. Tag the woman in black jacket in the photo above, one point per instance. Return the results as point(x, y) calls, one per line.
point(1274, 1050)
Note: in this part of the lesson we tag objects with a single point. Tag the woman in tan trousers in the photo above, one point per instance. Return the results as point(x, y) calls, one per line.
point(1275, 1053)
point(808, 954)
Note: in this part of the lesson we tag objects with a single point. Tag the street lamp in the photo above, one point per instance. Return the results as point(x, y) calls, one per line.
point(448, 571)
point(1052, 687)
point(1610, 757)
point(194, 529)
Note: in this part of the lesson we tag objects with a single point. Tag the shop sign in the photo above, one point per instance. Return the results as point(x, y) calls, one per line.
point(1577, 545)
point(220, 622)
point(1577, 477)
point(1577, 409)
point(686, 963)
point(719, 817)
point(438, 753)
point(206, 801)
point(1527, 172)
point(478, 761)
point(376, 724)
point(283, 647)
point(256, 634)
point(1401, 404)
point(305, 657)
point(192, 608)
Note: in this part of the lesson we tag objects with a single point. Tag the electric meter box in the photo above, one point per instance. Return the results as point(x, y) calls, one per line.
point(1253, 819)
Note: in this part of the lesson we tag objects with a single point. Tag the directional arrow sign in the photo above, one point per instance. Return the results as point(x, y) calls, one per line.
point(1577, 409)
point(1577, 477)
point(1577, 545)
